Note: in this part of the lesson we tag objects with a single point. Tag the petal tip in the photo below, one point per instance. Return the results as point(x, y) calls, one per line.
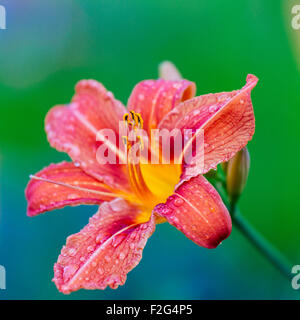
point(89, 84)
point(214, 242)
point(198, 211)
point(252, 78)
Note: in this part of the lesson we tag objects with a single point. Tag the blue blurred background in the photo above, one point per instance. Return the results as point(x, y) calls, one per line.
point(49, 45)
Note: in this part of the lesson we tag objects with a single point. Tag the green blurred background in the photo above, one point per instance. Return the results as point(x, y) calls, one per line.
point(49, 45)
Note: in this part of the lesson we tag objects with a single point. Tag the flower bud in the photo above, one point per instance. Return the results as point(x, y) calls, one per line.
point(224, 166)
point(237, 174)
point(168, 71)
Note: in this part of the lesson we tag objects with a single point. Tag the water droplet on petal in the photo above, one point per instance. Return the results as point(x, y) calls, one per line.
point(99, 238)
point(69, 271)
point(109, 95)
point(122, 256)
point(100, 271)
point(72, 196)
point(90, 248)
point(115, 205)
point(72, 252)
point(212, 109)
point(178, 202)
point(165, 210)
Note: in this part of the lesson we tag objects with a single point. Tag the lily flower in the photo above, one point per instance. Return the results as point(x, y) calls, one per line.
point(134, 197)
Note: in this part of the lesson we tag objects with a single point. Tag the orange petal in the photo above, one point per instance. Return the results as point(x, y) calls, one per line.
point(227, 120)
point(153, 99)
point(197, 210)
point(104, 251)
point(73, 129)
point(43, 196)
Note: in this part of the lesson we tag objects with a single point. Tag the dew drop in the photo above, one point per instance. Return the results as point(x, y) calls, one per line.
point(212, 109)
point(72, 196)
point(117, 240)
point(90, 248)
point(109, 94)
point(115, 205)
point(178, 202)
point(72, 252)
point(165, 211)
point(69, 271)
point(100, 271)
point(122, 256)
point(98, 239)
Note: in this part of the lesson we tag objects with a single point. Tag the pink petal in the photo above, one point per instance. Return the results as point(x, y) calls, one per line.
point(73, 129)
point(227, 120)
point(104, 251)
point(197, 210)
point(153, 99)
point(44, 196)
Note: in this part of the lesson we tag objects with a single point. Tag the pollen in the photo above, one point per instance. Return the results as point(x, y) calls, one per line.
point(134, 122)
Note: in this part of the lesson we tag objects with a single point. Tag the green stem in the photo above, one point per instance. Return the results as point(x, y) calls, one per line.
point(264, 246)
point(253, 236)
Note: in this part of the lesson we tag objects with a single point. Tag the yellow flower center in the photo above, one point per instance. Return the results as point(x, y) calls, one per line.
point(151, 183)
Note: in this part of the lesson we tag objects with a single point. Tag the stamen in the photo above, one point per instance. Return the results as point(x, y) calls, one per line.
point(136, 123)
point(132, 115)
point(140, 121)
point(137, 181)
point(125, 117)
point(135, 120)
point(125, 141)
point(108, 194)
